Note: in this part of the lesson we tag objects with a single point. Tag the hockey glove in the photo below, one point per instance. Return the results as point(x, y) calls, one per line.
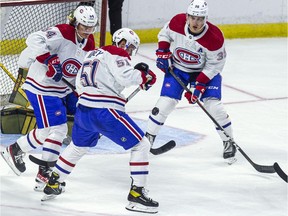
point(142, 67)
point(163, 56)
point(193, 96)
point(54, 67)
point(148, 79)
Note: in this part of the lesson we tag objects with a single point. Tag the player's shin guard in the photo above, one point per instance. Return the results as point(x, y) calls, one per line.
point(159, 114)
point(68, 159)
point(216, 109)
point(33, 140)
point(53, 142)
point(137, 197)
point(139, 162)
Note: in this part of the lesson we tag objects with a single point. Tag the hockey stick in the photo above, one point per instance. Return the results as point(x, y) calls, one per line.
point(73, 88)
point(42, 162)
point(19, 89)
point(164, 148)
point(260, 168)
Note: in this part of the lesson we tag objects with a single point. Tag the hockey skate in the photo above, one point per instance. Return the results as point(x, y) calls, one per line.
point(229, 151)
point(13, 155)
point(139, 202)
point(42, 178)
point(53, 187)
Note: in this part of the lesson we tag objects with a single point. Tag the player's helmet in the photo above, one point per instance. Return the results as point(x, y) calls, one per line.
point(127, 34)
point(86, 16)
point(198, 8)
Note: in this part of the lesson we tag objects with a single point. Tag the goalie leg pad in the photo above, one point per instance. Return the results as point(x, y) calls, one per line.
point(159, 114)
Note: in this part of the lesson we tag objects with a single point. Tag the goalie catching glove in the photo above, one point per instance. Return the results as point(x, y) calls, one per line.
point(148, 77)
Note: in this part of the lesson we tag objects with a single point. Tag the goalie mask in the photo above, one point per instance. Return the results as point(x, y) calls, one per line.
point(131, 38)
point(86, 16)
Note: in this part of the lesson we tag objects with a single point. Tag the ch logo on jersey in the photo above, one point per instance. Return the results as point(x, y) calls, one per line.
point(187, 57)
point(70, 67)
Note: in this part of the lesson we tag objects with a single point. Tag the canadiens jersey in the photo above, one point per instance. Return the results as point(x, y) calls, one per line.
point(60, 40)
point(105, 73)
point(202, 53)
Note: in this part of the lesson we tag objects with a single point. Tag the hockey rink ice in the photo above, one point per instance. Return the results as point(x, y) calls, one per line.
point(192, 179)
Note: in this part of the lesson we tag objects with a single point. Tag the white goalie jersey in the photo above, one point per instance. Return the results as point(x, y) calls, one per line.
point(103, 76)
point(60, 40)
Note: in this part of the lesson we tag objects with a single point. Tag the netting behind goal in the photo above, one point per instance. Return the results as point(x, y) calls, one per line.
point(18, 20)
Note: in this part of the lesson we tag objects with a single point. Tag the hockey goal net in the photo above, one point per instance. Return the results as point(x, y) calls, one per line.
point(20, 18)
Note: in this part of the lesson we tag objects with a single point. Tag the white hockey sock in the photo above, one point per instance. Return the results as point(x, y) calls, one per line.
point(139, 162)
point(68, 159)
point(53, 142)
point(159, 114)
point(31, 141)
point(217, 111)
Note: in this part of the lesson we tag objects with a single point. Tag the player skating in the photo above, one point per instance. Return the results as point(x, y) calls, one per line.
point(198, 58)
point(50, 55)
point(105, 73)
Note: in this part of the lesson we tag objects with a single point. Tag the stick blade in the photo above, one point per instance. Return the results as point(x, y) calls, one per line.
point(41, 162)
point(264, 169)
point(280, 172)
point(166, 147)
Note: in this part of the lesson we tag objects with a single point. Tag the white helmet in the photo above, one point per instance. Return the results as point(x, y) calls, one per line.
point(86, 16)
point(198, 8)
point(129, 35)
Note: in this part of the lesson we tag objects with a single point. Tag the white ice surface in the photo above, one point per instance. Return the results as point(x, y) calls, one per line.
point(192, 179)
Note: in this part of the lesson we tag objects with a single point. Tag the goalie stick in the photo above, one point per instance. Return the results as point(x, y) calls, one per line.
point(17, 86)
point(260, 168)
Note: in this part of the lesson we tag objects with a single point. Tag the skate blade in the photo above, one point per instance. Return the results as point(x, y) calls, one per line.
point(5, 155)
point(231, 160)
point(47, 197)
point(132, 206)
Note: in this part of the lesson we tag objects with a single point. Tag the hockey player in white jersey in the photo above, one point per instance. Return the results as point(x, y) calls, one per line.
point(50, 55)
point(105, 73)
point(198, 58)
